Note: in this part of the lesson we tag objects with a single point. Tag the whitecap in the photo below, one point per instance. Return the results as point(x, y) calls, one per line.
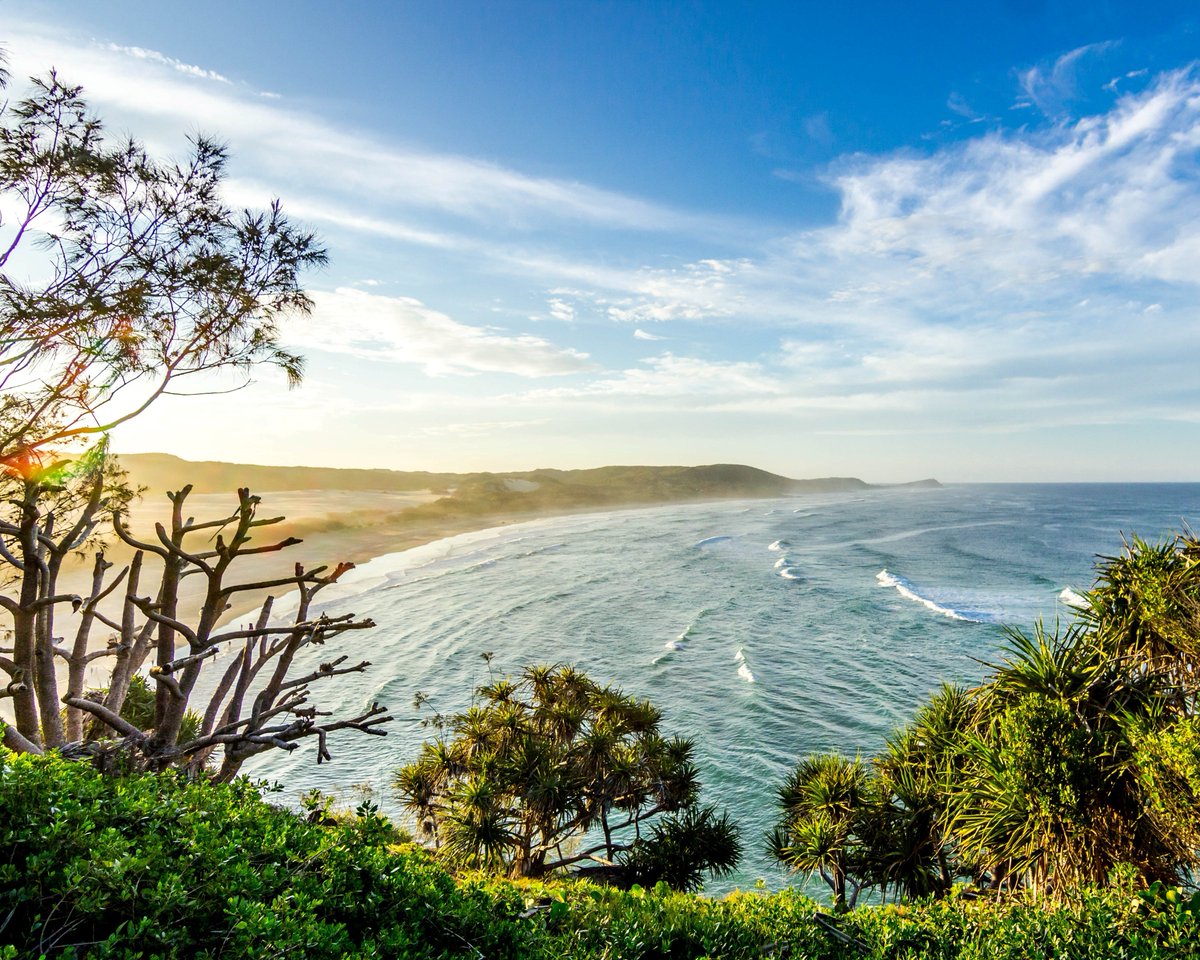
point(791, 573)
point(707, 540)
point(743, 667)
point(782, 562)
point(779, 546)
point(906, 589)
point(1072, 599)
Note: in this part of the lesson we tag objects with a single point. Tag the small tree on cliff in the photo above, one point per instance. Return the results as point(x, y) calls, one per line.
point(515, 782)
point(141, 277)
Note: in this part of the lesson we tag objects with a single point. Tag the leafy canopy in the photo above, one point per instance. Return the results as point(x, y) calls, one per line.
point(514, 783)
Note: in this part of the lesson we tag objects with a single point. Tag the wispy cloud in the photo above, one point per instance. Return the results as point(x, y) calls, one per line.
point(300, 148)
point(1052, 86)
point(471, 431)
point(1113, 194)
point(695, 291)
point(191, 70)
point(667, 377)
point(406, 331)
point(1043, 273)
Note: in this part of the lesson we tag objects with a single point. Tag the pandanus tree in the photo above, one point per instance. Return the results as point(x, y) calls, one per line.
point(830, 809)
point(552, 770)
point(1079, 753)
point(121, 279)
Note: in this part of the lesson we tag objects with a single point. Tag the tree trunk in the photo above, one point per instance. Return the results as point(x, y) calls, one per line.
point(25, 706)
point(77, 664)
point(49, 705)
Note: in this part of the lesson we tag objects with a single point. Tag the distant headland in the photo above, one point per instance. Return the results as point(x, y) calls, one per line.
point(533, 490)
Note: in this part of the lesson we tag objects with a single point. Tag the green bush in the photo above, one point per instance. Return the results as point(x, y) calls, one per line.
point(156, 866)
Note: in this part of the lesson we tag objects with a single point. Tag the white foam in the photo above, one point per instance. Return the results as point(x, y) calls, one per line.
point(779, 546)
point(905, 589)
point(744, 668)
point(707, 540)
point(782, 562)
point(791, 573)
point(1072, 599)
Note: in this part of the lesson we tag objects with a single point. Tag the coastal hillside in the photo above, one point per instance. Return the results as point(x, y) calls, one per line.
point(161, 471)
point(523, 490)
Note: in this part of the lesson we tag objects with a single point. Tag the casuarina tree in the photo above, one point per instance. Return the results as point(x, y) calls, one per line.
point(122, 279)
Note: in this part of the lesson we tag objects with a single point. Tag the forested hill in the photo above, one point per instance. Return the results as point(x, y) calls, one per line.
point(530, 489)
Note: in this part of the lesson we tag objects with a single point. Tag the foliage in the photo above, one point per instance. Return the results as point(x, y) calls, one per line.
point(154, 865)
point(683, 847)
point(139, 708)
point(829, 810)
point(1080, 753)
point(121, 275)
point(139, 275)
point(514, 783)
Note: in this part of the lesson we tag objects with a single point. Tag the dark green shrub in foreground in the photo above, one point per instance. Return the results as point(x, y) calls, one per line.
point(151, 865)
point(154, 865)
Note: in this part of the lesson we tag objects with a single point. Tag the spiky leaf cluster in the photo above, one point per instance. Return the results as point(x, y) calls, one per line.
point(516, 781)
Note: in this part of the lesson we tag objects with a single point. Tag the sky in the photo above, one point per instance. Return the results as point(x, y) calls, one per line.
point(883, 240)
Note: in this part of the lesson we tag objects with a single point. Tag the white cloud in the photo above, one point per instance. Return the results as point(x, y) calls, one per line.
point(404, 330)
point(1028, 214)
point(141, 53)
point(1050, 87)
point(671, 377)
point(695, 291)
point(301, 148)
point(464, 431)
point(1045, 274)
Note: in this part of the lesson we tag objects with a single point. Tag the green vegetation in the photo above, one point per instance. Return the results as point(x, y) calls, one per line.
point(154, 865)
point(147, 278)
point(1078, 756)
point(1051, 810)
point(514, 783)
point(484, 493)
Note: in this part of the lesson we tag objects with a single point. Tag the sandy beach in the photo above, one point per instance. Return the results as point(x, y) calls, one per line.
point(334, 526)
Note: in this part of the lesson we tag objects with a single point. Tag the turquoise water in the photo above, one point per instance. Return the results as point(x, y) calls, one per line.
point(763, 629)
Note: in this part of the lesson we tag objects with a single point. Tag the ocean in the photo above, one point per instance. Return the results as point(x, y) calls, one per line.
point(763, 629)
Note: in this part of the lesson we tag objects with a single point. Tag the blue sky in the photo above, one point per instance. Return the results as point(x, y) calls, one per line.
point(879, 239)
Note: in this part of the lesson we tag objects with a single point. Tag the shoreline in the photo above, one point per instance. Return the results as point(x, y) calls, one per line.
point(333, 527)
point(326, 540)
point(391, 541)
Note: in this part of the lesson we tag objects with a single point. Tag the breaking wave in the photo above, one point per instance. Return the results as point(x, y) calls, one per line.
point(1072, 599)
point(744, 670)
point(908, 591)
